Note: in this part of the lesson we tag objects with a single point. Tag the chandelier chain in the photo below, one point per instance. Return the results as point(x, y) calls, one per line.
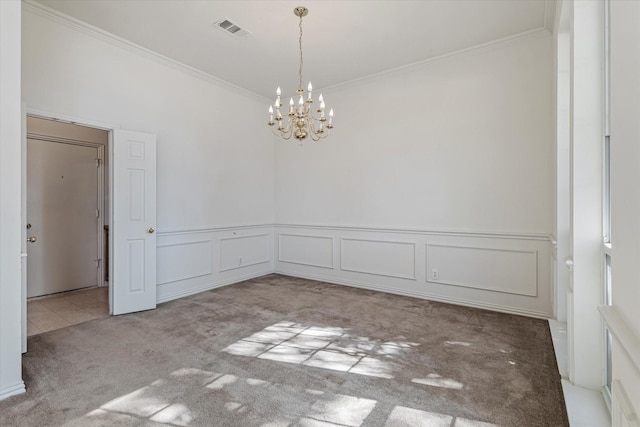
point(301, 60)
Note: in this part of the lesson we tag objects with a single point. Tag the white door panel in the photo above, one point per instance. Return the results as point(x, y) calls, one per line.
point(134, 221)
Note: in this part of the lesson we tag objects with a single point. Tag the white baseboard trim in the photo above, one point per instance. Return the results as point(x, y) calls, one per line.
point(421, 295)
point(210, 286)
point(13, 390)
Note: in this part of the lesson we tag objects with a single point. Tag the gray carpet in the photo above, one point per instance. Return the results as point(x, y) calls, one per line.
point(281, 351)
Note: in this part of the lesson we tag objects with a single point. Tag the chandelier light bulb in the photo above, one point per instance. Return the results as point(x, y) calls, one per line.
point(278, 92)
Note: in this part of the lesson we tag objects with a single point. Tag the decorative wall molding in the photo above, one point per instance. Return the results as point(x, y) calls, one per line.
point(246, 253)
point(300, 260)
point(200, 257)
point(196, 260)
point(168, 231)
point(505, 272)
point(365, 258)
point(76, 24)
point(343, 255)
point(431, 232)
point(494, 271)
point(622, 333)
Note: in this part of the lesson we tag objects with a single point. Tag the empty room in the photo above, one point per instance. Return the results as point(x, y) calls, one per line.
point(321, 213)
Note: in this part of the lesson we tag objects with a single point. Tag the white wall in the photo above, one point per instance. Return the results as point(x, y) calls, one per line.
point(212, 170)
point(215, 167)
point(462, 146)
point(625, 198)
point(10, 215)
point(463, 143)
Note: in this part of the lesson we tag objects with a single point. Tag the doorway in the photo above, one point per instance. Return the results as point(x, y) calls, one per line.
point(66, 218)
point(129, 195)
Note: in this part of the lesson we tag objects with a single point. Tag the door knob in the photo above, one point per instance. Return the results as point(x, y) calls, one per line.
point(31, 239)
point(150, 230)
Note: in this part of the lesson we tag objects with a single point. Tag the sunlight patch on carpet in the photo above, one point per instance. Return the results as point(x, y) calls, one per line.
point(242, 397)
point(436, 380)
point(409, 417)
point(324, 347)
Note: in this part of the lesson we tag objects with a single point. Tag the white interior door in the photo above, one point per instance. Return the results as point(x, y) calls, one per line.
point(133, 222)
point(62, 223)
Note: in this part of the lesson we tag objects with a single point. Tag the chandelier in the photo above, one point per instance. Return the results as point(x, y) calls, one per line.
point(303, 121)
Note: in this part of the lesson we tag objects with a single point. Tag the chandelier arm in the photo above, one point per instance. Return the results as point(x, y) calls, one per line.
point(281, 134)
point(312, 128)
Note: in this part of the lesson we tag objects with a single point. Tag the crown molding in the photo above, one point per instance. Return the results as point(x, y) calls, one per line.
point(76, 24)
point(483, 47)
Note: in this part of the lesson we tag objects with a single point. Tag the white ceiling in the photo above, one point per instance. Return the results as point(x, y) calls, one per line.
point(343, 40)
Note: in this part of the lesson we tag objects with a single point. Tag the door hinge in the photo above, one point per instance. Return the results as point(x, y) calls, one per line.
point(98, 162)
point(97, 213)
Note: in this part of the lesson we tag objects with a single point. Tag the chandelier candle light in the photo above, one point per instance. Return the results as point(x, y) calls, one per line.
point(303, 121)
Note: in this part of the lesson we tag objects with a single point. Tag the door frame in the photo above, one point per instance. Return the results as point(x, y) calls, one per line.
point(48, 115)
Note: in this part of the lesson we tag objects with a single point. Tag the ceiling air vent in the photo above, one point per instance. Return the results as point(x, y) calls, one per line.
point(229, 27)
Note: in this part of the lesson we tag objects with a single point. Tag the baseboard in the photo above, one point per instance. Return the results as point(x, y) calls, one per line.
point(13, 390)
point(421, 295)
point(210, 286)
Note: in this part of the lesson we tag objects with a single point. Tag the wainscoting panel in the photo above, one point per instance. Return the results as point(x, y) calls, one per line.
point(497, 271)
point(379, 257)
point(196, 260)
point(505, 272)
point(315, 251)
point(501, 270)
point(243, 251)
